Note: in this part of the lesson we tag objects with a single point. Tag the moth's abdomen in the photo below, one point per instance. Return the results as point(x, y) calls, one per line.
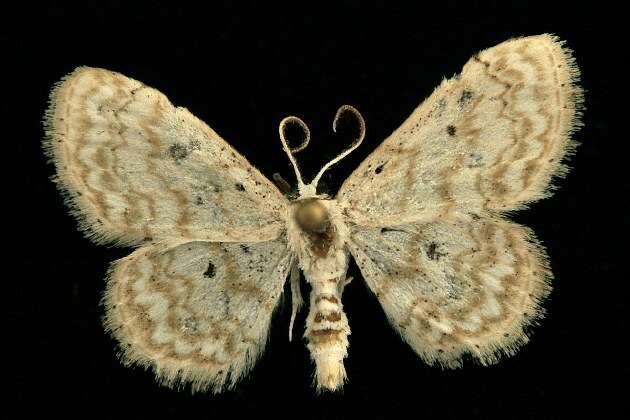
point(327, 332)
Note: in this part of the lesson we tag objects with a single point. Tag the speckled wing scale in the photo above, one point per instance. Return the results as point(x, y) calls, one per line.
point(198, 311)
point(195, 302)
point(488, 140)
point(457, 285)
point(453, 275)
point(134, 168)
point(423, 216)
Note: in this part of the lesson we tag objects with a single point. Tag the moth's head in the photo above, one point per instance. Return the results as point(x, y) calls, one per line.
point(312, 216)
point(307, 191)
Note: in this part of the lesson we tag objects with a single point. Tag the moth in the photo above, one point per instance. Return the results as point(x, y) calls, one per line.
point(424, 217)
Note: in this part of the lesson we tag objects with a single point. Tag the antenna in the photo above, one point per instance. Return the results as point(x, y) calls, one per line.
point(310, 189)
point(292, 151)
point(354, 145)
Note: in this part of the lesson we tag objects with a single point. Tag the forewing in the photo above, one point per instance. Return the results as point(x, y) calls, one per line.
point(488, 139)
point(196, 312)
point(134, 167)
point(458, 285)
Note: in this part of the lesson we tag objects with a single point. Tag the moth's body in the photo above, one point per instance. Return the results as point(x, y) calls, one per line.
point(425, 217)
point(317, 235)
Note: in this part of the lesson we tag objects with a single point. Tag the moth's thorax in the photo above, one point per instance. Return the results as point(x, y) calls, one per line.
point(317, 233)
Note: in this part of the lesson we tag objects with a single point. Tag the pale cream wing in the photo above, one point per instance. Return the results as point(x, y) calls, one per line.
point(455, 286)
point(489, 139)
point(136, 168)
point(196, 312)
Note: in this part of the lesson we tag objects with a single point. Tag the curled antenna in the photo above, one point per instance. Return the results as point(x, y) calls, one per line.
point(291, 151)
point(355, 143)
point(305, 130)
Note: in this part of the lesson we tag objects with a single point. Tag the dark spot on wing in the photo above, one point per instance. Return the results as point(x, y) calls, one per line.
point(466, 97)
point(178, 152)
point(433, 251)
point(245, 249)
point(199, 201)
point(239, 186)
point(210, 271)
point(379, 169)
point(451, 130)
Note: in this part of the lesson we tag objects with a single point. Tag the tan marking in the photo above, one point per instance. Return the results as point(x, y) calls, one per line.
point(330, 299)
point(325, 336)
point(332, 317)
point(166, 352)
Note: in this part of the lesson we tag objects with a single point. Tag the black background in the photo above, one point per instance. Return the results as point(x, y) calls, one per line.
point(241, 68)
